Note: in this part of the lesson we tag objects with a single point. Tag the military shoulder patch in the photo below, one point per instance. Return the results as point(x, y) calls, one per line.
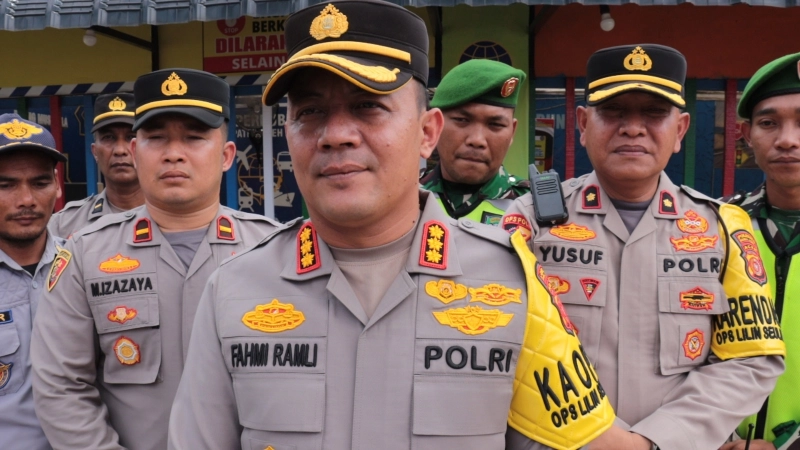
point(5, 373)
point(433, 251)
point(142, 231)
point(753, 265)
point(59, 264)
point(514, 222)
point(225, 229)
point(307, 249)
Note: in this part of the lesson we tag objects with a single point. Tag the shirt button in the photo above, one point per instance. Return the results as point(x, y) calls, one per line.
point(573, 183)
point(467, 223)
point(35, 285)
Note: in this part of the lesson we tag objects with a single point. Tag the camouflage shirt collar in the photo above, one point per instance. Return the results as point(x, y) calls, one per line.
point(502, 185)
point(755, 203)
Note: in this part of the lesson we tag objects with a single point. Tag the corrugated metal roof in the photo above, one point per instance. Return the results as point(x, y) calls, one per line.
point(39, 14)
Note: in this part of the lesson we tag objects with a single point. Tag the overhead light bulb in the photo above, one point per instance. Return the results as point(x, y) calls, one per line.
point(89, 38)
point(606, 21)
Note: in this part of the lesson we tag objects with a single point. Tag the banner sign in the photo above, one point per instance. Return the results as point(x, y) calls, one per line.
point(247, 44)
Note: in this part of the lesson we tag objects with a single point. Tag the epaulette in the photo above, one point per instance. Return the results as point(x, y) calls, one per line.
point(736, 199)
point(293, 224)
point(568, 187)
point(491, 233)
point(78, 203)
point(697, 195)
point(106, 221)
point(241, 215)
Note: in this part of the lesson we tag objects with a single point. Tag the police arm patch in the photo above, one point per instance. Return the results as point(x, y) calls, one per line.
point(59, 264)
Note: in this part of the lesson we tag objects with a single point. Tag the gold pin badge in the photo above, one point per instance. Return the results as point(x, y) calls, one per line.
point(495, 294)
point(117, 104)
point(509, 87)
point(445, 291)
point(329, 23)
point(638, 60)
point(173, 85)
point(473, 320)
point(18, 130)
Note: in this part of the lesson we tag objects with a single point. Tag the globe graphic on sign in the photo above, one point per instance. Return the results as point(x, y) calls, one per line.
point(486, 50)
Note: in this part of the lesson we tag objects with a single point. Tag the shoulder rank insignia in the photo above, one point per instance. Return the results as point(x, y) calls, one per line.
point(273, 317)
point(307, 249)
point(558, 285)
point(666, 203)
point(495, 295)
point(121, 314)
point(638, 60)
point(225, 229)
point(509, 87)
point(589, 286)
point(693, 344)
point(697, 299)
point(693, 223)
point(98, 206)
point(445, 291)
point(473, 320)
point(573, 232)
point(142, 231)
point(119, 264)
point(6, 317)
point(693, 243)
point(329, 23)
point(5, 373)
point(18, 130)
point(753, 264)
point(591, 197)
point(127, 351)
point(514, 222)
point(173, 85)
point(59, 264)
point(434, 245)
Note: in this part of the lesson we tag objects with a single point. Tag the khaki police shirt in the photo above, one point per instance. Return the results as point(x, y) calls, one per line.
point(320, 374)
point(111, 337)
point(79, 214)
point(642, 321)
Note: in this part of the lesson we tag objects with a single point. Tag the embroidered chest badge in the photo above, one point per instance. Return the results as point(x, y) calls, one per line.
point(692, 223)
point(557, 285)
point(573, 232)
point(514, 222)
point(127, 351)
point(5, 373)
point(693, 243)
point(693, 344)
point(697, 299)
point(121, 314)
point(753, 265)
point(495, 295)
point(59, 264)
point(273, 317)
point(445, 291)
point(307, 249)
point(473, 320)
point(119, 264)
point(589, 286)
point(433, 252)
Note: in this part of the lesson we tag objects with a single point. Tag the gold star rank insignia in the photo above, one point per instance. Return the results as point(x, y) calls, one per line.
point(307, 249)
point(666, 204)
point(434, 245)
point(591, 197)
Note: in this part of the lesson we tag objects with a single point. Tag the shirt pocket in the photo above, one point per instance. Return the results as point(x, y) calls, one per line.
point(12, 363)
point(686, 309)
point(130, 338)
point(283, 402)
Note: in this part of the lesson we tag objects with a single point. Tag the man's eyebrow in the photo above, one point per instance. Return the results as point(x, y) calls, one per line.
point(765, 111)
point(6, 178)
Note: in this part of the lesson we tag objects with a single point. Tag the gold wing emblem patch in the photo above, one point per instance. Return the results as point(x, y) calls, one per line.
point(273, 317)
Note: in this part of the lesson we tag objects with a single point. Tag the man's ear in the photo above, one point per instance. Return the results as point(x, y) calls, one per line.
point(133, 153)
point(683, 126)
point(432, 125)
point(582, 114)
point(228, 155)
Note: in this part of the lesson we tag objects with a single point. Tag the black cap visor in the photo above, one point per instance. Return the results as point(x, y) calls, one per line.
point(607, 91)
point(126, 119)
point(210, 118)
point(43, 149)
point(367, 74)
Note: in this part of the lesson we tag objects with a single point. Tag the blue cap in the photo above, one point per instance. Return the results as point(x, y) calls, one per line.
point(17, 133)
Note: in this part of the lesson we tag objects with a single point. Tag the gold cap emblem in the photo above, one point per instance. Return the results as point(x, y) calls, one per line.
point(18, 130)
point(173, 85)
point(273, 317)
point(117, 104)
point(445, 291)
point(329, 23)
point(495, 294)
point(509, 87)
point(473, 320)
point(638, 60)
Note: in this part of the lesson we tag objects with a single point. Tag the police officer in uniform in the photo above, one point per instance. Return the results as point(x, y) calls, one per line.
point(377, 323)
point(112, 150)
point(666, 286)
point(770, 105)
point(477, 99)
point(28, 191)
point(113, 330)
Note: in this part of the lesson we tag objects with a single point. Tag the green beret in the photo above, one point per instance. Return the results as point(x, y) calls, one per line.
point(479, 81)
point(779, 77)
